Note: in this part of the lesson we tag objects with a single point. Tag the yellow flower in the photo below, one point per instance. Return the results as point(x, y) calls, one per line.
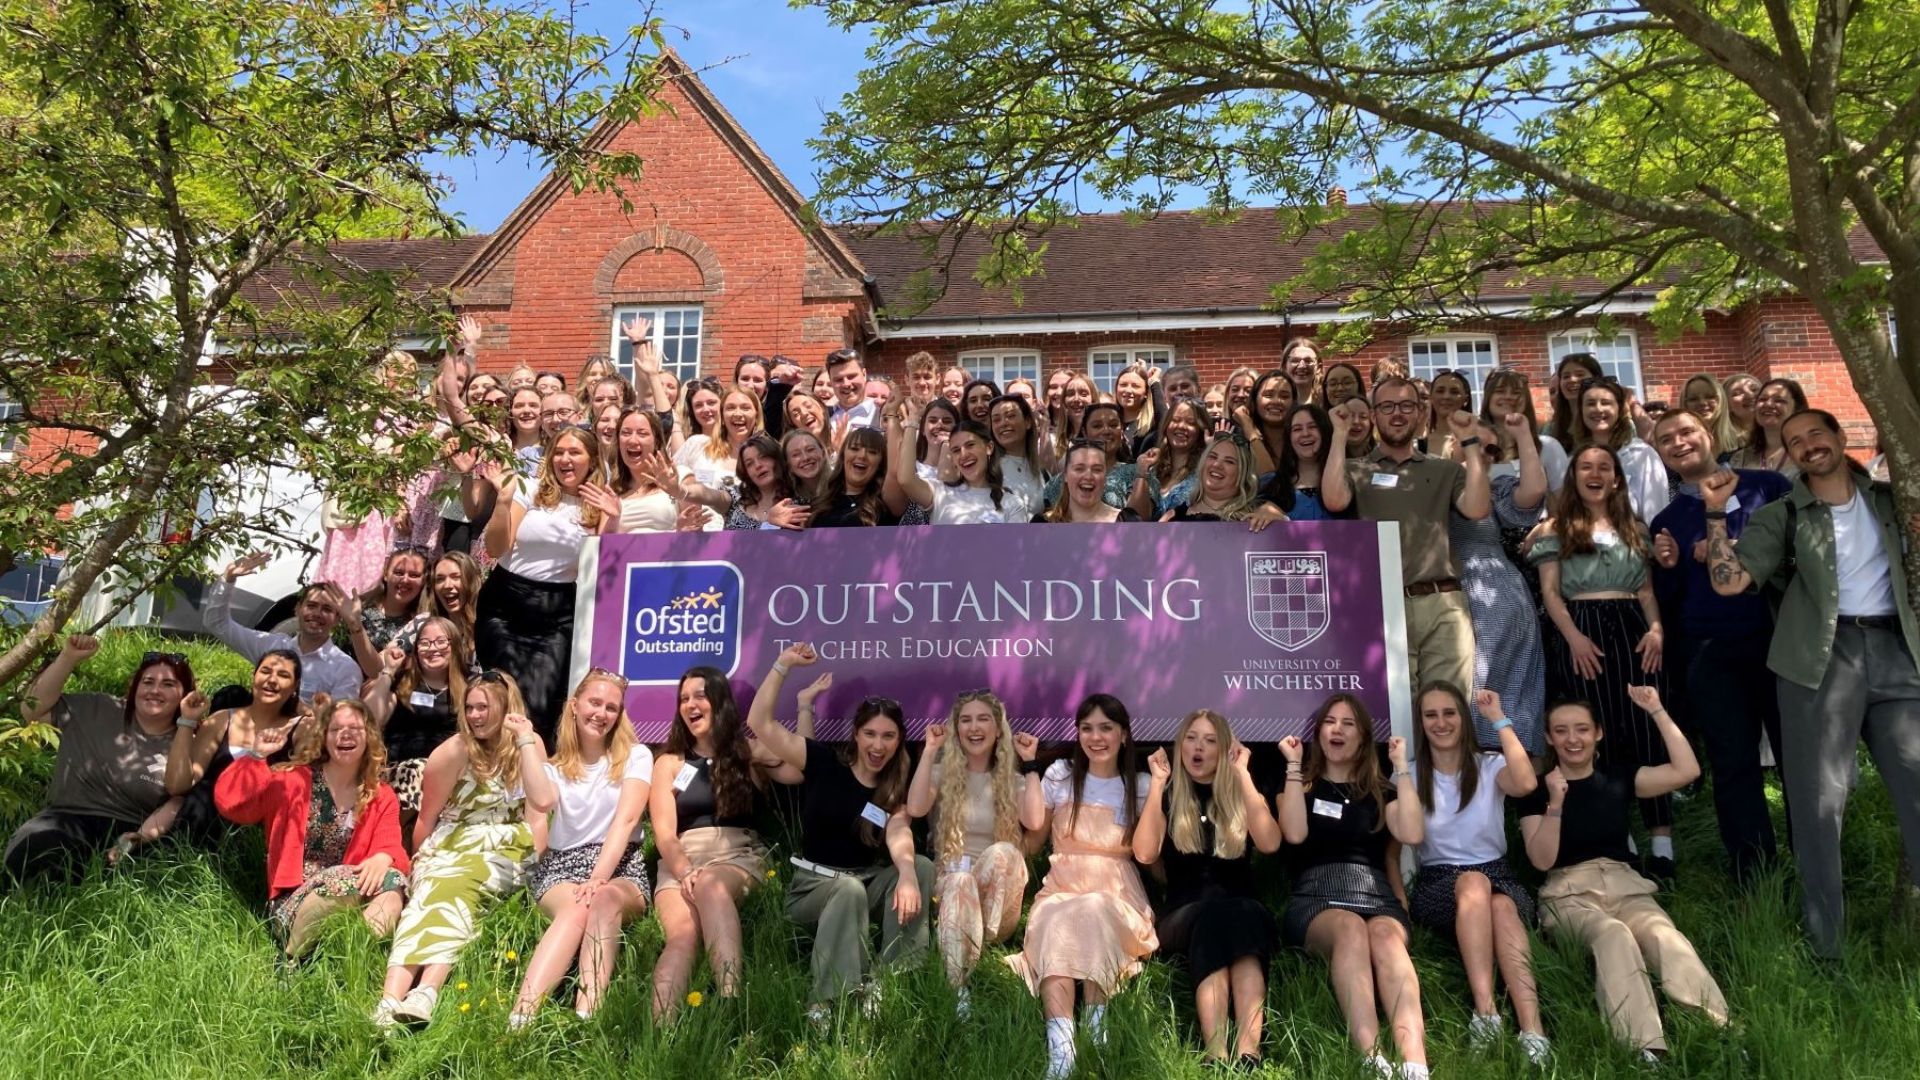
point(460, 986)
point(771, 875)
point(511, 955)
point(694, 999)
point(466, 1006)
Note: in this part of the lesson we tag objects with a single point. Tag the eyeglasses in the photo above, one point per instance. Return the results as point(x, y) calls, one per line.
point(1389, 408)
point(157, 657)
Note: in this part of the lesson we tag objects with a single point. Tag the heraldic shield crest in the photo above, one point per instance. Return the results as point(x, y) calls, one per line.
point(1287, 596)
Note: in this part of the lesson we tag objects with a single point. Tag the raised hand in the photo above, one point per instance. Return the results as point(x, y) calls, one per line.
point(691, 517)
point(798, 654)
point(1158, 768)
point(1342, 417)
point(936, 736)
point(1241, 758)
point(1666, 550)
point(637, 329)
point(1242, 417)
point(1026, 745)
point(250, 563)
point(518, 726)
point(471, 331)
point(1461, 424)
point(193, 707)
point(270, 741)
point(815, 688)
point(81, 646)
point(1148, 460)
point(1556, 787)
point(646, 360)
point(1397, 752)
point(394, 658)
point(1488, 702)
point(1645, 698)
point(1291, 749)
point(1715, 490)
point(1516, 425)
point(321, 701)
point(601, 498)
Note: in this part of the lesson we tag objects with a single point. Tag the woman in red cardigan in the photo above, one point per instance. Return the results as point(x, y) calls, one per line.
point(333, 829)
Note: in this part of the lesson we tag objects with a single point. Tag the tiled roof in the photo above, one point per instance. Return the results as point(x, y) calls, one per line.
point(422, 265)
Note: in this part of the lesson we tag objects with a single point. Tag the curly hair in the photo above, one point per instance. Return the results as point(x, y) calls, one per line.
point(950, 827)
point(312, 750)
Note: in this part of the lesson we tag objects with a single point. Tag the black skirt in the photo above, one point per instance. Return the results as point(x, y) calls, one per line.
point(1433, 902)
point(1363, 890)
point(525, 628)
point(1217, 930)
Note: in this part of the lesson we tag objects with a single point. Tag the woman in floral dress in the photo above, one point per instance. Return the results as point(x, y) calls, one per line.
point(474, 812)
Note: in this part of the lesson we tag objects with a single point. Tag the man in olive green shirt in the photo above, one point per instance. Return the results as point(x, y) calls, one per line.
point(1843, 648)
point(1400, 484)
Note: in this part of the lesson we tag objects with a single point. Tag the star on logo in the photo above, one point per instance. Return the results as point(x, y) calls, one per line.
point(710, 598)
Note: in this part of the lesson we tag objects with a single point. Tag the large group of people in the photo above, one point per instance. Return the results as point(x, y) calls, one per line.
point(413, 751)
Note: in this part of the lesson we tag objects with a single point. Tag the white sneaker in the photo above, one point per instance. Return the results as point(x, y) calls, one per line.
point(963, 1003)
point(417, 1006)
point(383, 1014)
point(1651, 1060)
point(1381, 1067)
point(1483, 1031)
point(819, 1016)
point(1411, 1071)
point(869, 993)
point(519, 1021)
point(1536, 1047)
point(1059, 1064)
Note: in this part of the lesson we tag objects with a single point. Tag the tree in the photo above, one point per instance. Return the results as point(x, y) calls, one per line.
point(160, 155)
point(1718, 150)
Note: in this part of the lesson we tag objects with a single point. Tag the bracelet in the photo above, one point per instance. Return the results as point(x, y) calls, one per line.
point(806, 706)
point(1402, 774)
point(523, 743)
point(1471, 440)
point(1501, 724)
point(1032, 768)
point(1554, 811)
point(1716, 515)
point(781, 669)
point(183, 722)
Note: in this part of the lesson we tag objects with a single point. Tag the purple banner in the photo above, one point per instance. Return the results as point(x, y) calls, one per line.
point(1261, 627)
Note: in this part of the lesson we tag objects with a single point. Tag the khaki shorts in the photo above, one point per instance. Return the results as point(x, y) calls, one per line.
point(719, 846)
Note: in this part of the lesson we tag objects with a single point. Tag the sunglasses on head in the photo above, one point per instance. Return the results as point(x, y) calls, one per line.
point(408, 548)
point(490, 676)
point(156, 657)
point(605, 673)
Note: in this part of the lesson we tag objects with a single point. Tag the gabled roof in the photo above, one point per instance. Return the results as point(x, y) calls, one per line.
point(552, 187)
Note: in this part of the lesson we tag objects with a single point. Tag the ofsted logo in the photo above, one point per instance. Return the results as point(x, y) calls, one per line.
point(679, 615)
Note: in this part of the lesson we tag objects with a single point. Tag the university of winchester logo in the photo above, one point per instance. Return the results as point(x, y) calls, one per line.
point(679, 615)
point(1287, 596)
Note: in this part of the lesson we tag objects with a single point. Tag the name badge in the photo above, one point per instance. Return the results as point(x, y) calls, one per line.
point(1326, 808)
point(1386, 480)
point(420, 699)
point(683, 779)
point(874, 814)
point(1733, 503)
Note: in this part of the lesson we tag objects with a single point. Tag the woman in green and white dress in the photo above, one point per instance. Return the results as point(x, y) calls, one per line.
point(475, 797)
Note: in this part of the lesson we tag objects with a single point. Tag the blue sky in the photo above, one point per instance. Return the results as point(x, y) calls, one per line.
point(777, 69)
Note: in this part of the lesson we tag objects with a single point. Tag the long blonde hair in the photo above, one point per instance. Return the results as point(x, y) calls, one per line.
point(567, 755)
point(1228, 810)
point(459, 648)
point(949, 830)
point(312, 750)
point(547, 495)
point(501, 760)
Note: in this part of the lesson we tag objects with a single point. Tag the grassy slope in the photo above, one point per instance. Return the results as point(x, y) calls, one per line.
point(166, 970)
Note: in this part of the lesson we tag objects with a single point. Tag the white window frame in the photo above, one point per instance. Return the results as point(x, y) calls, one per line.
point(1159, 354)
point(679, 365)
point(1476, 372)
point(1002, 366)
point(1581, 339)
point(11, 437)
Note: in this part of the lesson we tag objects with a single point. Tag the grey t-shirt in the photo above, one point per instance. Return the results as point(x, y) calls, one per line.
point(105, 765)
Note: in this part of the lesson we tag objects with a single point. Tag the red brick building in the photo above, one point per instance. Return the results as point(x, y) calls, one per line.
point(720, 251)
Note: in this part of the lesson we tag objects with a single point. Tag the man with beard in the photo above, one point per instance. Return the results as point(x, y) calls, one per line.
point(1722, 640)
point(1843, 650)
point(1398, 483)
point(324, 666)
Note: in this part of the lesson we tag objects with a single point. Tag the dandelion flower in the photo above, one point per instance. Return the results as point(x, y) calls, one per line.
point(511, 955)
point(459, 986)
point(694, 998)
point(466, 1006)
point(771, 874)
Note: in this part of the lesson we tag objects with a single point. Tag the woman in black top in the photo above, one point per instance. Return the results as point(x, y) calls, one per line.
point(856, 848)
point(1340, 815)
point(706, 786)
point(1202, 822)
point(1225, 491)
point(411, 700)
point(202, 749)
point(860, 490)
point(1575, 827)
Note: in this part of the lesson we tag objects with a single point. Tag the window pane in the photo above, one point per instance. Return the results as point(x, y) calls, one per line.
point(1619, 354)
point(1473, 357)
point(675, 332)
point(1105, 365)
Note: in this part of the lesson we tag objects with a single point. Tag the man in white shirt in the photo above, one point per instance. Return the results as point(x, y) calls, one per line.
point(851, 406)
point(324, 667)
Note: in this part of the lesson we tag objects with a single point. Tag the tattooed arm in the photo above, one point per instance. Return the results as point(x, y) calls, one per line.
point(1762, 543)
point(1729, 577)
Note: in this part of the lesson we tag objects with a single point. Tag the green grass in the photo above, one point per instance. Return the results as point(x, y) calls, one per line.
point(166, 969)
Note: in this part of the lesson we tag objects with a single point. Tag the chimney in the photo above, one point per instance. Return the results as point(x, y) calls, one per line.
point(1337, 197)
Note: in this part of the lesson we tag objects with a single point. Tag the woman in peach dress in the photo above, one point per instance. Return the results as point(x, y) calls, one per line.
point(1091, 922)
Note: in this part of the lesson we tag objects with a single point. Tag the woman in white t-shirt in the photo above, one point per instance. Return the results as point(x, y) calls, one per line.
point(592, 879)
point(645, 479)
point(1465, 887)
point(523, 621)
point(978, 497)
point(710, 459)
